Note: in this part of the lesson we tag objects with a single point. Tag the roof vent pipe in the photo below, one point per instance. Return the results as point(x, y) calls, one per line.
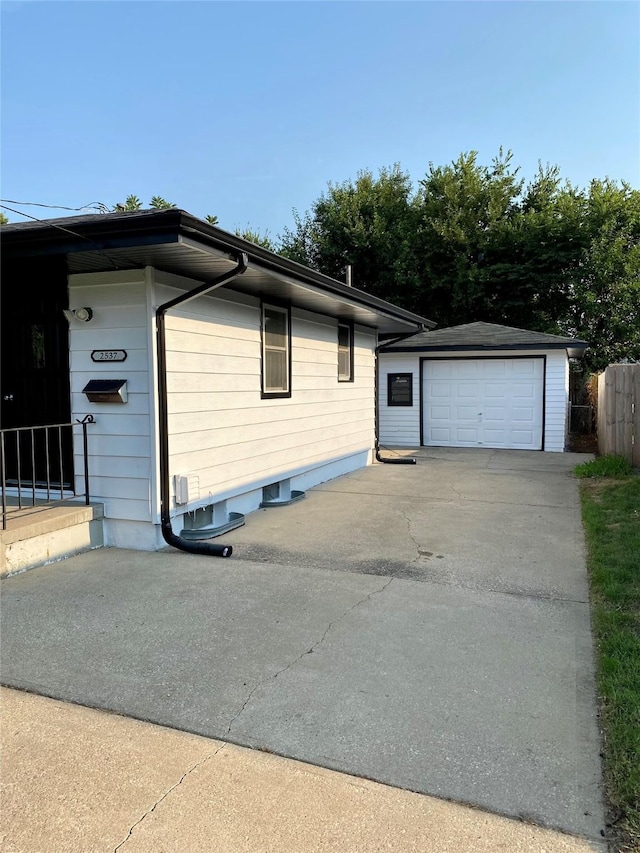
point(170, 537)
point(349, 278)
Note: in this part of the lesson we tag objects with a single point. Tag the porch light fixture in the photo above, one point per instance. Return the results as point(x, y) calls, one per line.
point(82, 314)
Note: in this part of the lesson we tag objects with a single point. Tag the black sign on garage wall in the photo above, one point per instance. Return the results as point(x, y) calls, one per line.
point(400, 389)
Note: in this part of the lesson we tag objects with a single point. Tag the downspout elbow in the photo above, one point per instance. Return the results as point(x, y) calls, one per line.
point(209, 549)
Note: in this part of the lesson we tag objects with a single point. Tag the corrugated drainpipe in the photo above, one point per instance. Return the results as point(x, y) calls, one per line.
point(396, 460)
point(170, 537)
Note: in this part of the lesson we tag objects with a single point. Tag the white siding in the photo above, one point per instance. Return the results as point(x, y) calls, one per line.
point(400, 426)
point(557, 401)
point(223, 435)
point(119, 441)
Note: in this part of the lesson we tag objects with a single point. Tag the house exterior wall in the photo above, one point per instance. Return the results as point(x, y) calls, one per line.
point(400, 425)
point(224, 438)
point(120, 442)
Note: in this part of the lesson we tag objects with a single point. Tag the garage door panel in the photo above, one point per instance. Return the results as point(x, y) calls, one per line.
point(466, 413)
point(494, 413)
point(439, 389)
point(467, 389)
point(443, 370)
point(440, 435)
point(527, 415)
point(467, 435)
point(522, 368)
point(494, 402)
point(495, 391)
point(522, 438)
point(440, 413)
point(522, 390)
point(495, 437)
point(492, 368)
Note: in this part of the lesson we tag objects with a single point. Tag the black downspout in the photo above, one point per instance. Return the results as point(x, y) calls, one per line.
point(397, 460)
point(170, 537)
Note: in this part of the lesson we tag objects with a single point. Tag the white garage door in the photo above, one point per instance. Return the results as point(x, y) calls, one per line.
point(492, 402)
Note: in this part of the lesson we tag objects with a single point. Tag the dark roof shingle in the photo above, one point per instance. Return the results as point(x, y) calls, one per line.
point(484, 336)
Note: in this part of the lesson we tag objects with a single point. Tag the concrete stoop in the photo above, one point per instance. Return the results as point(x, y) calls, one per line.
point(37, 535)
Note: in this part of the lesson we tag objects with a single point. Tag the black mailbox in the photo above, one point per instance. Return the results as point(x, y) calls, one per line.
point(106, 390)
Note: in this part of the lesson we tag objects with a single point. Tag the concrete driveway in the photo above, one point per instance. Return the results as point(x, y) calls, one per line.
point(425, 626)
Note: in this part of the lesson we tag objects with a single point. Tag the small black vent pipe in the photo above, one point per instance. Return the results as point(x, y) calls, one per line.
point(170, 537)
point(396, 460)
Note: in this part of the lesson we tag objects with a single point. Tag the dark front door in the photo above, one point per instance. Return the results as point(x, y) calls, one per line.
point(35, 369)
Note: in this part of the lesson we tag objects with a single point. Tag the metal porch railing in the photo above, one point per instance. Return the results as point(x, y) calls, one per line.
point(34, 468)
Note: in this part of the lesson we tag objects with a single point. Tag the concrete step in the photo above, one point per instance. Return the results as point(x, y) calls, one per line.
point(37, 535)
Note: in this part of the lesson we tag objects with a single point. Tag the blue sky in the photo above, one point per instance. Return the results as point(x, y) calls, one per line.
point(248, 109)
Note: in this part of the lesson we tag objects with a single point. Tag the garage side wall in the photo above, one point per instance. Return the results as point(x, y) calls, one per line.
point(557, 401)
point(400, 425)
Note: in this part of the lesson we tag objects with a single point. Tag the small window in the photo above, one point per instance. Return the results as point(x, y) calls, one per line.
point(345, 353)
point(400, 389)
point(276, 352)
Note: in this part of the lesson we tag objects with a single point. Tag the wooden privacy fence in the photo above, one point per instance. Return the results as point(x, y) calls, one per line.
point(619, 412)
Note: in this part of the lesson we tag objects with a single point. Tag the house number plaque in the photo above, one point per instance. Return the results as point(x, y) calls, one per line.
point(108, 355)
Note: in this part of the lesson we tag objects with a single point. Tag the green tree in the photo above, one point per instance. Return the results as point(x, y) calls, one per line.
point(3, 219)
point(527, 263)
point(212, 220)
point(132, 202)
point(368, 223)
point(257, 237)
point(158, 203)
point(467, 238)
point(603, 287)
point(473, 242)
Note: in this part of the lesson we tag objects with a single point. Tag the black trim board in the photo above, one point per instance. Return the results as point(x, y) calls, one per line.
point(275, 395)
point(485, 358)
point(420, 401)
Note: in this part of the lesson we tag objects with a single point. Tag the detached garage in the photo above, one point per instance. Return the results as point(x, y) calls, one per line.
point(477, 385)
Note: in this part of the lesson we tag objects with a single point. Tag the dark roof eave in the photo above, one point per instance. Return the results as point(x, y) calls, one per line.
point(108, 229)
point(123, 230)
point(278, 264)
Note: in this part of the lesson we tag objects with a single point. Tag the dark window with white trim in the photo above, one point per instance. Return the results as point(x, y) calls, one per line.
point(345, 352)
point(400, 389)
point(276, 351)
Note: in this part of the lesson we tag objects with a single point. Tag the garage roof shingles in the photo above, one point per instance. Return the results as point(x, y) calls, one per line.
point(484, 336)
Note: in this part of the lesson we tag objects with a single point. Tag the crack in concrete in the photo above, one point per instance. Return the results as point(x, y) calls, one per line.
point(492, 456)
point(412, 537)
point(166, 794)
point(309, 651)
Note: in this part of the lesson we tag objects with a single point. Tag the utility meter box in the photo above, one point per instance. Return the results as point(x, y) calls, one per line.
point(106, 390)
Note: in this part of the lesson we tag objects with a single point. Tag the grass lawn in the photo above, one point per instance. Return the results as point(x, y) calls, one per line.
point(611, 516)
